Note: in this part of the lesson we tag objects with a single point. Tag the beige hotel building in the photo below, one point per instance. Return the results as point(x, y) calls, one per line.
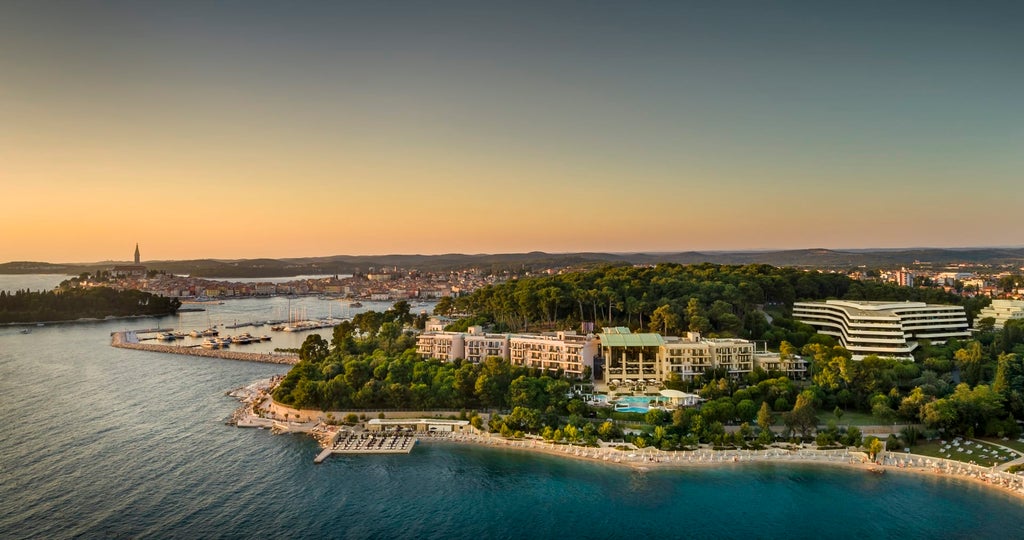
point(625, 357)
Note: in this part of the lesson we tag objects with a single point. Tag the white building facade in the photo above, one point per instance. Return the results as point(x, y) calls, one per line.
point(480, 346)
point(889, 329)
point(446, 346)
point(1002, 311)
point(569, 352)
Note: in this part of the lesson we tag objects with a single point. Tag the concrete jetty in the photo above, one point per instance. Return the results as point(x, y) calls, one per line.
point(129, 340)
point(323, 455)
point(254, 421)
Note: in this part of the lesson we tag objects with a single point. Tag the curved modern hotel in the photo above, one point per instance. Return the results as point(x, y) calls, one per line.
point(883, 328)
point(1002, 311)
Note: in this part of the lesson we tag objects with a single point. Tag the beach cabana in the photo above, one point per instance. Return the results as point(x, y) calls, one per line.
point(680, 399)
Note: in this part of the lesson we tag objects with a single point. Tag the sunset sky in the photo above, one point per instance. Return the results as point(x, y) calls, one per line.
point(278, 129)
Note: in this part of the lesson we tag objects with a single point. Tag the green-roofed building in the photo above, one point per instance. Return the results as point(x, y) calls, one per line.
point(646, 359)
point(630, 357)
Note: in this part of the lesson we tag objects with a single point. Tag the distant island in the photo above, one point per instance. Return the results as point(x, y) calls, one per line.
point(537, 260)
point(71, 304)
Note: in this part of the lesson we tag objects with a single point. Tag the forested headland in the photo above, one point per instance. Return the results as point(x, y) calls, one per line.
point(81, 303)
point(970, 387)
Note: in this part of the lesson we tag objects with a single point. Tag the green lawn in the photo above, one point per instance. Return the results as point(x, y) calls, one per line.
point(929, 448)
point(935, 449)
point(1012, 443)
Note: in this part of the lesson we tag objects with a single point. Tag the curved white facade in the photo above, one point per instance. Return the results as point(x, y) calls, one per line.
point(883, 328)
point(1002, 311)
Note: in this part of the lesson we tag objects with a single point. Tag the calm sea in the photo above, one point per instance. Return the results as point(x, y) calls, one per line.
point(103, 442)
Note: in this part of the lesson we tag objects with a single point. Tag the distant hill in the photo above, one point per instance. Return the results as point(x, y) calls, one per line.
point(29, 267)
point(827, 258)
point(537, 260)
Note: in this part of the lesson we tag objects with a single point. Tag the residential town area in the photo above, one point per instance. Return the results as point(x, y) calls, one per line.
point(374, 285)
point(397, 283)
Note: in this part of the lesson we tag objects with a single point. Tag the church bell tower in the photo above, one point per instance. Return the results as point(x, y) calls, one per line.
point(136, 254)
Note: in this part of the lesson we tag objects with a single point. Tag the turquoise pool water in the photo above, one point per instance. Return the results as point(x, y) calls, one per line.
point(639, 404)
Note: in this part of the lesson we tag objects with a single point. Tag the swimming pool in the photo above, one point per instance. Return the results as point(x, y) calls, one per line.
point(638, 404)
point(636, 401)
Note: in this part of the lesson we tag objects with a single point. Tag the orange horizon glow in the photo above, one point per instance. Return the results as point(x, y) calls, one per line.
point(207, 131)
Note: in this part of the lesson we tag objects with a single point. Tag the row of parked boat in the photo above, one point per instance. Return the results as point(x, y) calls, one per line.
point(171, 336)
point(253, 323)
point(300, 326)
point(223, 342)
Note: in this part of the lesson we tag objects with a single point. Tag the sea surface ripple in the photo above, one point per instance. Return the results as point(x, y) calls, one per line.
point(113, 443)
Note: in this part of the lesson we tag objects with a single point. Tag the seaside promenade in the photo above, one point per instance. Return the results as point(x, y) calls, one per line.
point(128, 340)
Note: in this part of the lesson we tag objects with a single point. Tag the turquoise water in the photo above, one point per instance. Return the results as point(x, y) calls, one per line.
point(638, 404)
point(636, 401)
point(103, 442)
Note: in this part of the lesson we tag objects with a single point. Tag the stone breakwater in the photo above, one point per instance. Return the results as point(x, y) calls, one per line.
point(127, 340)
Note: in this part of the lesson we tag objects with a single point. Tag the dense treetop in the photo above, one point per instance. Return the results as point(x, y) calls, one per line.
point(734, 301)
point(371, 363)
point(71, 304)
point(971, 387)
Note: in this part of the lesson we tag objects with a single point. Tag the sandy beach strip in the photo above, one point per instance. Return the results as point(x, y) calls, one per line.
point(650, 458)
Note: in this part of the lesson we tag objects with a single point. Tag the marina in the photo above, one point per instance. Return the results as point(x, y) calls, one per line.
point(130, 340)
point(300, 326)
